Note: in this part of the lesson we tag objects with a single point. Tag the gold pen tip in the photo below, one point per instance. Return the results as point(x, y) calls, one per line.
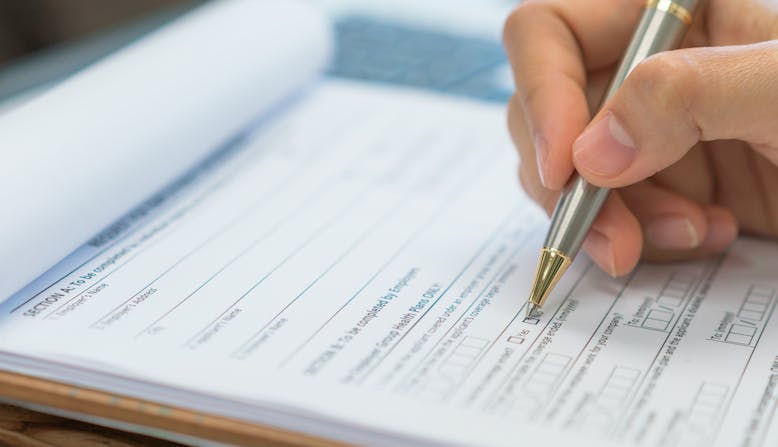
point(551, 267)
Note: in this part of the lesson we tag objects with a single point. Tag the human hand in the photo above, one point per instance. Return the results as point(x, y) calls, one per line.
point(690, 139)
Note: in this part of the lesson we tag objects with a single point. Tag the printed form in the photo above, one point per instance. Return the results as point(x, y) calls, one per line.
point(374, 241)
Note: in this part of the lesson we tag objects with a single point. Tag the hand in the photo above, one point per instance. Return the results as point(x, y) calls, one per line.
point(690, 139)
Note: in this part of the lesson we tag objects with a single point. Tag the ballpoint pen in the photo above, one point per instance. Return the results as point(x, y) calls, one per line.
point(661, 28)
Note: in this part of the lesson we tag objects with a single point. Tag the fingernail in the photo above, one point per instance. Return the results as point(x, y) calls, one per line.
point(541, 154)
point(605, 149)
point(600, 250)
point(672, 232)
point(720, 233)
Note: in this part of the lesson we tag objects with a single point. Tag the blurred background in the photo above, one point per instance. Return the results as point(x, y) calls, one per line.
point(32, 25)
point(28, 26)
point(450, 46)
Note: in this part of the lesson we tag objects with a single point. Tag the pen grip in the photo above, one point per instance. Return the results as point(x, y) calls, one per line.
point(661, 28)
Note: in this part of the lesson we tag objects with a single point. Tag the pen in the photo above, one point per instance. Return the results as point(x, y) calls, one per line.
point(661, 28)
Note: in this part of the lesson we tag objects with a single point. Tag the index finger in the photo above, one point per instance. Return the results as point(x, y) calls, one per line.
point(551, 44)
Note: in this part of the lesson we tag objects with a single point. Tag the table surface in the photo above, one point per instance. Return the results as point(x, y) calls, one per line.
point(24, 428)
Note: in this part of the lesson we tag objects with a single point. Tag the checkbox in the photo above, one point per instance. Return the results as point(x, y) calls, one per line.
point(531, 320)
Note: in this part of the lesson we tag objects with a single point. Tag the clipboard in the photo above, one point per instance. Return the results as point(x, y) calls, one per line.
point(144, 416)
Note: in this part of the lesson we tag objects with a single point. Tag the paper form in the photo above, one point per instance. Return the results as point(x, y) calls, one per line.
point(358, 268)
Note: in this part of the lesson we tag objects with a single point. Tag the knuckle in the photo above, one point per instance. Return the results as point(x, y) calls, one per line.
point(665, 77)
point(528, 93)
point(668, 82)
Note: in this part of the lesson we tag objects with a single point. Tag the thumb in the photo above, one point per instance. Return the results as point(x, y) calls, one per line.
point(673, 100)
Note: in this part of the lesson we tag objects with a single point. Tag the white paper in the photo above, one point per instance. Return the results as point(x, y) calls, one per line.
point(359, 271)
point(82, 154)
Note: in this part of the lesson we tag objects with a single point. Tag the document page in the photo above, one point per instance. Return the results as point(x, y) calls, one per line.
point(362, 260)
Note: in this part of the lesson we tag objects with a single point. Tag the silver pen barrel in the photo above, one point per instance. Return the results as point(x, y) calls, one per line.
point(661, 28)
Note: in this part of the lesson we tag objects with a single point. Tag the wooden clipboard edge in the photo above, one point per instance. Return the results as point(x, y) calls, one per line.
point(143, 413)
